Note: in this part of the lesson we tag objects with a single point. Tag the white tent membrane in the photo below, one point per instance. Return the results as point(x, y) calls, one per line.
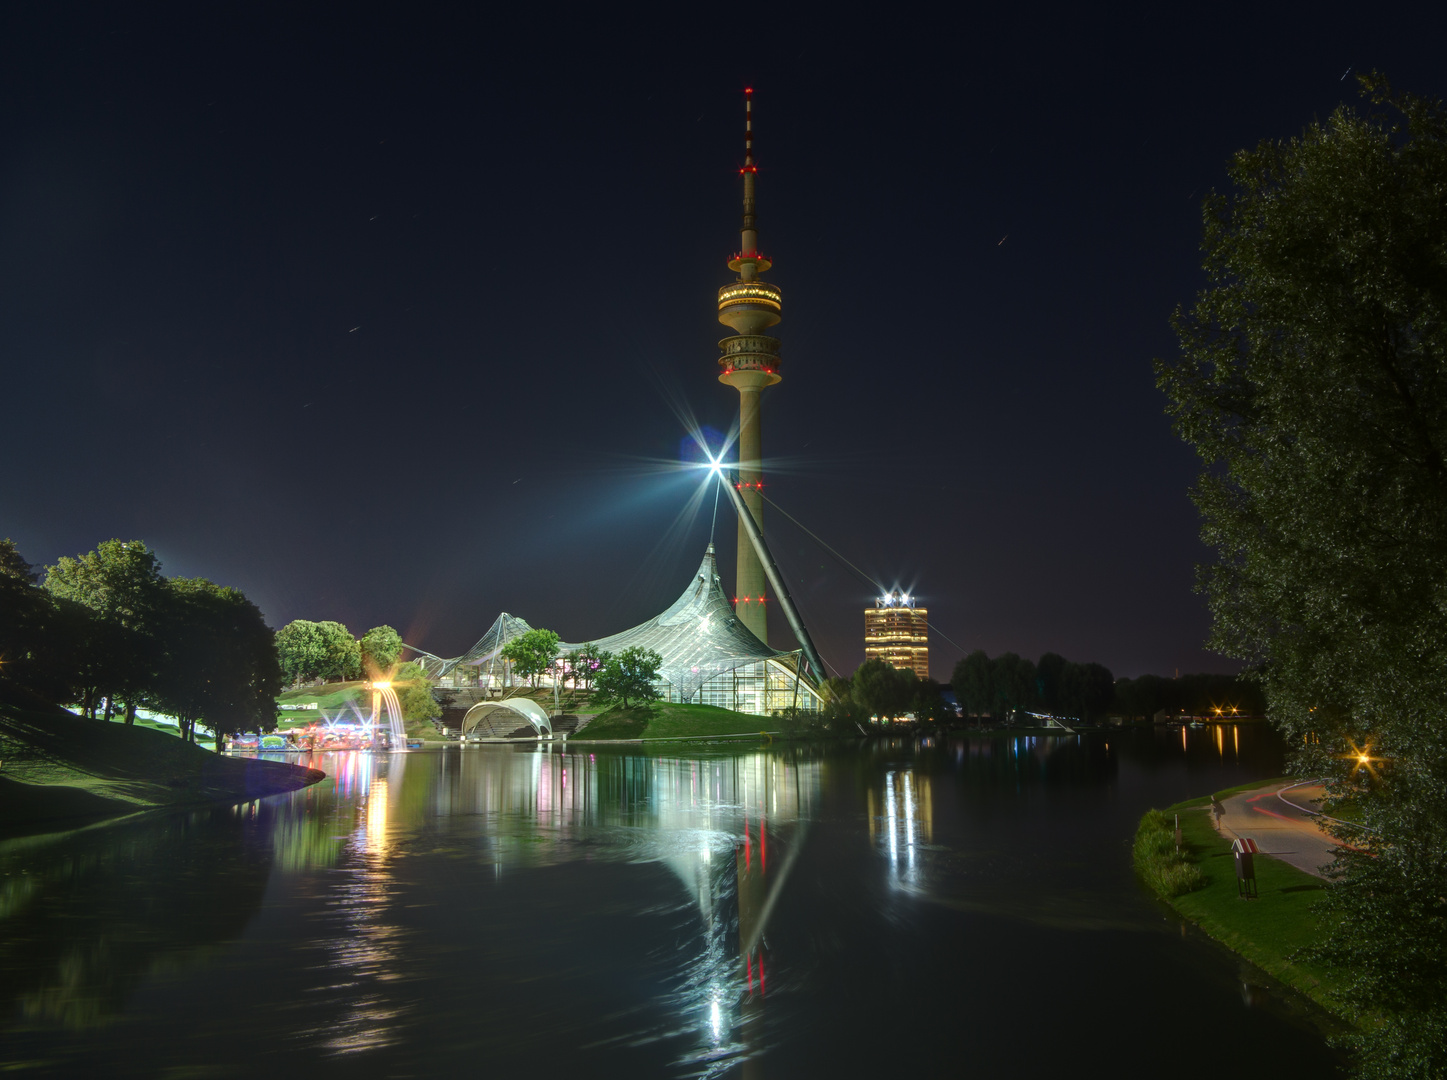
point(500, 718)
point(709, 657)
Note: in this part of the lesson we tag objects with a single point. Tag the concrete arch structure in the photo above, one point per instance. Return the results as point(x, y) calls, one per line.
point(498, 719)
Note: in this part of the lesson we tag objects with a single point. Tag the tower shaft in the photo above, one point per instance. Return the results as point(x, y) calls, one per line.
point(750, 580)
point(750, 363)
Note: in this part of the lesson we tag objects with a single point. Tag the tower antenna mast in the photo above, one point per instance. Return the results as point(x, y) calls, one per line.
point(750, 363)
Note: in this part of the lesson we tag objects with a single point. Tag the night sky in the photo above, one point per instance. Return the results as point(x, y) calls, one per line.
point(392, 316)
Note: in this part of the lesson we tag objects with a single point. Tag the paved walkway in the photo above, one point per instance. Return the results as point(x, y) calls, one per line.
point(1279, 828)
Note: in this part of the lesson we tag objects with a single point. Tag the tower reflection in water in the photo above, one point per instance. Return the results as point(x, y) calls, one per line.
point(902, 823)
point(728, 828)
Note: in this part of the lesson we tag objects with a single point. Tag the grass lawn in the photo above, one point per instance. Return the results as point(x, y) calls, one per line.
point(1226, 793)
point(665, 721)
point(1267, 931)
point(330, 697)
point(57, 768)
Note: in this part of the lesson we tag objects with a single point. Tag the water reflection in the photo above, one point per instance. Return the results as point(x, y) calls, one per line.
point(88, 917)
point(749, 911)
point(907, 822)
point(728, 829)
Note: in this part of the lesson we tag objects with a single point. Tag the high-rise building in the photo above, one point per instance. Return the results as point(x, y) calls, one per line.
point(750, 362)
point(897, 632)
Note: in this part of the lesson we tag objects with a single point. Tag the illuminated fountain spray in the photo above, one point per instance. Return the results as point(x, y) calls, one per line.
point(383, 694)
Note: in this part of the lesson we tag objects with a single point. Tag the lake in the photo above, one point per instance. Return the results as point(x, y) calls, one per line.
point(953, 903)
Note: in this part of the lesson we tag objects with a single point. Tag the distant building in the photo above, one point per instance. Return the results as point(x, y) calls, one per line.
point(897, 632)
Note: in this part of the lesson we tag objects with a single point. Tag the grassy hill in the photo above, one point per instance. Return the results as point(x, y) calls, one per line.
point(667, 721)
point(57, 769)
point(330, 698)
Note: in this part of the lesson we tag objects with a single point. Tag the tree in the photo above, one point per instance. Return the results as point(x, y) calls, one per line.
point(630, 676)
point(24, 612)
point(1312, 381)
point(220, 661)
point(973, 683)
point(1096, 688)
point(883, 690)
point(120, 582)
point(532, 653)
point(302, 647)
point(381, 646)
point(1197, 694)
point(343, 653)
point(1013, 680)
point(1050, 682)
point(929, 702)
point(41, 641)
point(585, 662)
point(843, 715)
point(414, 691)
point(1144, 696)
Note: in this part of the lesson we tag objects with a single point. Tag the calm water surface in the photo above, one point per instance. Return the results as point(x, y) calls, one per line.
point(963, 905)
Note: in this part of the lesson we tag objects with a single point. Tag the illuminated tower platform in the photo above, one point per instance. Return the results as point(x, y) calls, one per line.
point(750, 362)
point(897, 632)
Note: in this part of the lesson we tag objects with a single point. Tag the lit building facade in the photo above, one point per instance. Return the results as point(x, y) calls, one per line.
point(897, 632)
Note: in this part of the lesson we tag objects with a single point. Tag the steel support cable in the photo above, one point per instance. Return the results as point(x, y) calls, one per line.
point(772, 573)
point(826, 663)
point(795, 600)
point(813, 536)
point(809, 533)
point(714, 525)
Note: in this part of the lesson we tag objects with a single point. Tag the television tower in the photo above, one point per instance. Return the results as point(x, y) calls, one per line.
point(749, 363)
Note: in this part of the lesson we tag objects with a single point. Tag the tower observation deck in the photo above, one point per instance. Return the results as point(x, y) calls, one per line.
point(750, 362)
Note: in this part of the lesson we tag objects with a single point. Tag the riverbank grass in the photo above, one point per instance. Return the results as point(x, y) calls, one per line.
point(1169, 872)
point(1270, 931)
point(663, 720)
point(58, 769)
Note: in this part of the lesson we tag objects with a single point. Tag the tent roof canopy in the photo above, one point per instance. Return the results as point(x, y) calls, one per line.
point(697, 636)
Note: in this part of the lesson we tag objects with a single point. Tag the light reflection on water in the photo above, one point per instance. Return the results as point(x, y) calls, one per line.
point(711, 822)
point(691, 913)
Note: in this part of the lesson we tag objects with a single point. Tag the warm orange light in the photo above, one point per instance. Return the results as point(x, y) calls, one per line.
point(381, 686)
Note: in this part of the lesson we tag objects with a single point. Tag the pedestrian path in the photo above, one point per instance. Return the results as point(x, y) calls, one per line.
point(1279, 818)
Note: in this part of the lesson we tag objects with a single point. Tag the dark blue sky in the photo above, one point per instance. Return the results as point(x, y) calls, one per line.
point(525, 216)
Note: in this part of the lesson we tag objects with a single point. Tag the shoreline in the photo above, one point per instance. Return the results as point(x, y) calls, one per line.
point(1269, 931)
point(60, 771)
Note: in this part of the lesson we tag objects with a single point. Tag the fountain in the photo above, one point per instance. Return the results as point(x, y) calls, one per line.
point(383, 694)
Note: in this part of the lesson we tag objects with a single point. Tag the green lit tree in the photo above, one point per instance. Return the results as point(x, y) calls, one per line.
point(1312, 381)
point(343, 654)
point(585, 663)
point(630, 677)
point(414, 691)
point(120, 583)
point(531, 654)
point(220, 663)
point(380, 646)
point(302, 646)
